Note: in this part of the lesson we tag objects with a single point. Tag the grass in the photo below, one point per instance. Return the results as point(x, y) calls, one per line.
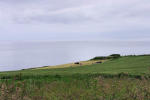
point(135, 65)
point(124, 78)
point(82, 63)
point(76, 88)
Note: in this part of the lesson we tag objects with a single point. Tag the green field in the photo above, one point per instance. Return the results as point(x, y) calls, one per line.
point(124, 78)
point(135, 65)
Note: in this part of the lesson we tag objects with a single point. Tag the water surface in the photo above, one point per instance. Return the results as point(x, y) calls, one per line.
point(21, 55)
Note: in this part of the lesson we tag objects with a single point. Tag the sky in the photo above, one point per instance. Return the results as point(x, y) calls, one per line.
point(62, 20)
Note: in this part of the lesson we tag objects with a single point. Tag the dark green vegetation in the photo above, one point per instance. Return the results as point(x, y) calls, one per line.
point(124, 78)
point(113, 56)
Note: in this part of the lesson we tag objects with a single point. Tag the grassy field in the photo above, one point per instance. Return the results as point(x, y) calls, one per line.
point(82, 63)
point(135, 65)
point(124, 78)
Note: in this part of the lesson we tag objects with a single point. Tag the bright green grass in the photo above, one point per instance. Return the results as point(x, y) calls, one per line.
point(135, 65)
point(81, 83)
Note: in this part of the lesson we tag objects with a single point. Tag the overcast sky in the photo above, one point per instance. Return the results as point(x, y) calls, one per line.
point(41, 20)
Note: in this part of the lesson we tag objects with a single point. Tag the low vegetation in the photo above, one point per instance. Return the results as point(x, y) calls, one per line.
point(124, 78)
point(113, 56)
point(76, 88)
point(75, 64)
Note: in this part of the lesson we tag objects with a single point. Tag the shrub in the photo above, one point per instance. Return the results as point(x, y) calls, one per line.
point(106, 57)
point(115, 55)
point(99, 58)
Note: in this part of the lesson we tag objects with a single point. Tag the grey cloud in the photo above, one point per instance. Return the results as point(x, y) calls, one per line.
point(80, 13)
point(88, 17)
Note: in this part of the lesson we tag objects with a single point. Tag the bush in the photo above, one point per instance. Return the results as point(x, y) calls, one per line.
point(99, 58)
point(106, 57)
point(115, 55)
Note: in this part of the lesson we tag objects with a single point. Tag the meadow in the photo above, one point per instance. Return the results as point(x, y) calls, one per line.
point(123, 78)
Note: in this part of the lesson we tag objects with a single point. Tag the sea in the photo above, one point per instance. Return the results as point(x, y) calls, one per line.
point(30, 54)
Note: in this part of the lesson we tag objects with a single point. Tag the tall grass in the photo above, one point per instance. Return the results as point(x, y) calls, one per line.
point(76, 87)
